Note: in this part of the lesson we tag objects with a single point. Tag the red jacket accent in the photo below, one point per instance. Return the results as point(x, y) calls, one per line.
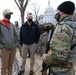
point(6, 23)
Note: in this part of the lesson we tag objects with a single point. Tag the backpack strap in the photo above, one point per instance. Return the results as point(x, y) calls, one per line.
point(73, 46)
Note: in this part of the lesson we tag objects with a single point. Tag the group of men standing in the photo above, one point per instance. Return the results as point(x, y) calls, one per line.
point(62, 39)
point(29, 36)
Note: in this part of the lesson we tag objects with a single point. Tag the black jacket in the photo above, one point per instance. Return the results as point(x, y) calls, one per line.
point(29, 34)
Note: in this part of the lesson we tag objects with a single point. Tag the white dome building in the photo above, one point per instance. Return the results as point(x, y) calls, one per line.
point(48, 16)
point(48, 13)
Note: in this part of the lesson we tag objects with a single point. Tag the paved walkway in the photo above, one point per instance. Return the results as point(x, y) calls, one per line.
point(17, 63)
point(38, 61)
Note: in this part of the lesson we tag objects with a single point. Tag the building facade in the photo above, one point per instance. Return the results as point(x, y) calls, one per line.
point(48, 16)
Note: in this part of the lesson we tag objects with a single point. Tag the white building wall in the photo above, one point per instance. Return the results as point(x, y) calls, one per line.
point(47, 19)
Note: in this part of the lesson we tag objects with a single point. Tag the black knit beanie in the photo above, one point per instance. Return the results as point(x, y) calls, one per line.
point(67, 7)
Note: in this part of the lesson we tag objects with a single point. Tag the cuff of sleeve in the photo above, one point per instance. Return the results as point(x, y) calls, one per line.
point(1, 46)
point(51, 59)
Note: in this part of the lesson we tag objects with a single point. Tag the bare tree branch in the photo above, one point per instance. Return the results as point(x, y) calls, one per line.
point(21, 3)
point(22, 7)
point(25, 5)
point(17, 4)
point(36, 9)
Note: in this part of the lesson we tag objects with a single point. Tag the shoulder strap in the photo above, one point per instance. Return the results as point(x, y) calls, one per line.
point(73, 46)
point(49, 39)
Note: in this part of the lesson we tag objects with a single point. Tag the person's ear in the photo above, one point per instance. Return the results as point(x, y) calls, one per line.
point(3, 15)
point(61, 12)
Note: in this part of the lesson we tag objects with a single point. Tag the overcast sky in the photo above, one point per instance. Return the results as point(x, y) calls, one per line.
point(16, 16)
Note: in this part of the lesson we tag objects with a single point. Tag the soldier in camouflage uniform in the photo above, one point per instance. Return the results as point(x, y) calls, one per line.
point(61, 41)
point(43, 40)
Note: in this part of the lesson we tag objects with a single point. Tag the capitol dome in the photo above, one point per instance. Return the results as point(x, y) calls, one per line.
point(49, 10)
point(48, 16)
point(49, 13)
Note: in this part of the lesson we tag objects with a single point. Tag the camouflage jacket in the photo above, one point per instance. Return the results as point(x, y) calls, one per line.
point(42, 43)
point(60, 44)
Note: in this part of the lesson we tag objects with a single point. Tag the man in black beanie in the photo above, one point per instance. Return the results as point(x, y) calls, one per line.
point(62, 39)
point(64, 9)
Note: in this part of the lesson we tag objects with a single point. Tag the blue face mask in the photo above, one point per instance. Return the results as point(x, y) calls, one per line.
point(57, 16)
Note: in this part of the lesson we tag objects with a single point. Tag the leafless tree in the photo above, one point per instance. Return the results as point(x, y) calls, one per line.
point(22, 4)
point(36, 10)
